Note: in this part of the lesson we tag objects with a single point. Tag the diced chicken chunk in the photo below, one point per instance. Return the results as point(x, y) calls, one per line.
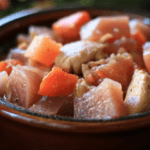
point(117, 26)
point(54, 106)
point(36, 30)
point(73, 55)
point(24, 85)
point(138, 94)
point(4, 78)
point(103, 101)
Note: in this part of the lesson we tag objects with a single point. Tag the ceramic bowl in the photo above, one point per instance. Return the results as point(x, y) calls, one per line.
point(21, 129)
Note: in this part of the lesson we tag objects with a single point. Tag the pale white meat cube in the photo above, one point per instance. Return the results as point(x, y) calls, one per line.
point(24, 85)
point(4, 78)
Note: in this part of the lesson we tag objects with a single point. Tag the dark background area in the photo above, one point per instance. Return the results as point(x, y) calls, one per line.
point(131, 5)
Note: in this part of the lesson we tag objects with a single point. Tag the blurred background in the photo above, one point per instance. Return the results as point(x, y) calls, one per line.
point(10, 6)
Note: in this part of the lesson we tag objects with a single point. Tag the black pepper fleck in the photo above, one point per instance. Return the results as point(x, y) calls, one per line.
point(16, 99)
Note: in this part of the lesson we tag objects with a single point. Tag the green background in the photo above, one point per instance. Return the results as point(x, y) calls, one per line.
point(135, 5)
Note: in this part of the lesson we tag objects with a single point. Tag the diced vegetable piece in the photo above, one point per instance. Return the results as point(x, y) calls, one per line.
point(119, 68)
point(24, 85)
point(58, 83)
point(117, 26)
point(138, 24)
point(68, 27)
point(140, 38)
point(116, 67)
point(146, 55)
point(138, 94)
point(138, 59)
point(54, 106)
point(7, 65)
point(4, 67)
point(128, 44)
point(4, 78)
point(43, 50)
point(103, 101)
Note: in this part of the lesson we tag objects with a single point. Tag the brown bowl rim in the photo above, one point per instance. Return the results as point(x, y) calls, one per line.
point(33, 12)
point(72, 119)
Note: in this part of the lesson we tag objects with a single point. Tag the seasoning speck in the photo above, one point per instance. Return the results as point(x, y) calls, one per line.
point(16, 99)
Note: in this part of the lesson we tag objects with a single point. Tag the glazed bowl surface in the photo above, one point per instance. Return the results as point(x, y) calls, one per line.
point(23, 129)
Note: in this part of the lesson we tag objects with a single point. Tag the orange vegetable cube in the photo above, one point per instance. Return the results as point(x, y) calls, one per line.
point(69, 27)
point(43, 50)
point(58, 83)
